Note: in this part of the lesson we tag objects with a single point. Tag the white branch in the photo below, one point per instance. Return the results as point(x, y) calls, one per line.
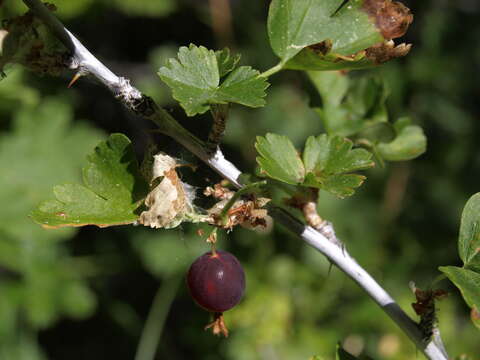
point(85, 63)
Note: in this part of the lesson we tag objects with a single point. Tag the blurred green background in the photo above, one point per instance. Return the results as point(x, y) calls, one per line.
point(86, 293)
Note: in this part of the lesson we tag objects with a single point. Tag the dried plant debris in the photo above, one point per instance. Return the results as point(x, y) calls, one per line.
point(170, 201)
point(425, 308)
point(391, 17)
point(247, 211)
point(27, 41)
point(322, 48)
point(387, 51)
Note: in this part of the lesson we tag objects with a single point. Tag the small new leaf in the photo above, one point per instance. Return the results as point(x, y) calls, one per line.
point(409, 143)
point(469, 238)
point(279, 159)
point(195, 80)
point(112, 192)
point(329, 162)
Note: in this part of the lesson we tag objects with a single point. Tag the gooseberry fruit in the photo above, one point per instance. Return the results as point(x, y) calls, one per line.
point(216, 282)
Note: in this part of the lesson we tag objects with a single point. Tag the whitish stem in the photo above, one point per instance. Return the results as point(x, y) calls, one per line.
point(324, 227)
point(144, 106)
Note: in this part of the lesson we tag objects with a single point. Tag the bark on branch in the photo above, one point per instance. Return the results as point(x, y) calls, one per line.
point(87, 64)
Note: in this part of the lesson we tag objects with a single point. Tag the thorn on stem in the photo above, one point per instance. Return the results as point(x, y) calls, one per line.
point(77, 76)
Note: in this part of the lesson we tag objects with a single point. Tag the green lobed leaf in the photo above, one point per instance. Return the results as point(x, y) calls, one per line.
point(195, 80)
point(242, 86)
point(339, 185)
point(295, 24)
point(329, 160)
point(469, 238)
point(468, 282)
point(112, 192)
point(279, 159)
point(334, 155)
point(409, 143)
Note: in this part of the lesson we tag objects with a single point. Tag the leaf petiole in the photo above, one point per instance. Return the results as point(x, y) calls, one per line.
point(272, 71)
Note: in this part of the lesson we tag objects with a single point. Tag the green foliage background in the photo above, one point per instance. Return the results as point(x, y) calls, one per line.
point(86, 293)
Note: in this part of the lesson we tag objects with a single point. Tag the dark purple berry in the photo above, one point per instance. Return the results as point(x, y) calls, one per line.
point(216, 281)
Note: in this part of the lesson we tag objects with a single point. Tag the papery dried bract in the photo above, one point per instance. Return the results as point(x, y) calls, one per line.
point(169, 202)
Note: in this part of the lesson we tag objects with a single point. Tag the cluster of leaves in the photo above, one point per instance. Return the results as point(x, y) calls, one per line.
point(327, 162)
point(356, 108)
point(113, 191)
point(467, 277)
point(201, 78)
